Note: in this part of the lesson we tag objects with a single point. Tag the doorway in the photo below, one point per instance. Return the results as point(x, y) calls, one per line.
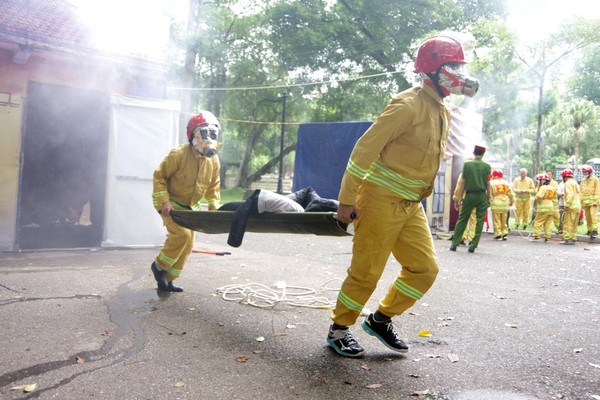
point(64, 168)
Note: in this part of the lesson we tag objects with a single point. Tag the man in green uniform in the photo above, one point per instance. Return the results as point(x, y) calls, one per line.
point(477, 191)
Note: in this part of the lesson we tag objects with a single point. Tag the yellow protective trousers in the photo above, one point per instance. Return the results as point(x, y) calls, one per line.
point(177, 248)
point(556, 215)
point(387, 225)
point(500, 227)
point(522, 209)
point(542, 224)
point(570, 224)
point(469, 232)
point(591, 218)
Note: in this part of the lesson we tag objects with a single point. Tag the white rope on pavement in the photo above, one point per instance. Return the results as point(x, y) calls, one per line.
point(259, 295)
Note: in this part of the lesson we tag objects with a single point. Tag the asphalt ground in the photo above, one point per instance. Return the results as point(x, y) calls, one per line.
point(516, 320)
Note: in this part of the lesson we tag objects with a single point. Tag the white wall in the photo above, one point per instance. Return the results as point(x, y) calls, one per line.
point(143, 131)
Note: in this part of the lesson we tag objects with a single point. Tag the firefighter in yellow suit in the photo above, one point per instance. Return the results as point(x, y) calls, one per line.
point(590, 198)
point(501, 199)
point(523, 188)
point(555, 209)
point(391, 170)
point(185, 176)
point(544, 209)
point(572, 199)
point(458, 197)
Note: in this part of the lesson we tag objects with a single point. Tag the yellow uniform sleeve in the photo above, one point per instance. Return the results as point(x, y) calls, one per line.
point(401, 152)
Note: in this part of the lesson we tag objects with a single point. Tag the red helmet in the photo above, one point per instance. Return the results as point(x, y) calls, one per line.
point(542, 177)
point(566, 172)
point(203, 118)
point(586, 169)
point(436, 51)
point(497, 173)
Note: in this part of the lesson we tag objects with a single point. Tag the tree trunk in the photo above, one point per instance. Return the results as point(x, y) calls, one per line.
point(245, 163)
point(268, 166)
point(576, 145)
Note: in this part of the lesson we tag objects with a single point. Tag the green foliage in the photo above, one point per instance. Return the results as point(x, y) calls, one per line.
point(246, 57)
point(584, 82)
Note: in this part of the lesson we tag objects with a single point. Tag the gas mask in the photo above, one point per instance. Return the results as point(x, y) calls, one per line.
point(205, 139)
point(454, 79)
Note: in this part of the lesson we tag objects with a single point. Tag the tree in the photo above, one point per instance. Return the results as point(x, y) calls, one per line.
point(584, 82)
point(573, 121)
point(540, 57)
point(580, 113)
point(242, 59)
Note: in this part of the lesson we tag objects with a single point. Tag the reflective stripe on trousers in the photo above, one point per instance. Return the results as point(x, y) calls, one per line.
point(387, 225)
point(177, 248)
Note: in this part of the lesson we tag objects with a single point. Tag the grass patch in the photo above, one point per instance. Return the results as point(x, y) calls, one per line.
point(234, 194)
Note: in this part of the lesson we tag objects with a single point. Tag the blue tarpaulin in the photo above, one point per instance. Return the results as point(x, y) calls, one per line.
point(322, 153)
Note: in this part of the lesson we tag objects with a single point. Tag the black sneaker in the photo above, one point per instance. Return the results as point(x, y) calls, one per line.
point(504, 237)
point(471, 249)
point(342, 341)
point(453, 248)
point(385, 332)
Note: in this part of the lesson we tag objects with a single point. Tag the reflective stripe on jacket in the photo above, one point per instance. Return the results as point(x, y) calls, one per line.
point(502, 195)
point(544, 197)
point(519, 184)
point(402, 151)
point(590, 190)
point(184, 177)
point(572, 196)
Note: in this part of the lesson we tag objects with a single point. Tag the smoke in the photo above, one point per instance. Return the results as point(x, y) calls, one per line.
point(128, 27)
point(534, 20)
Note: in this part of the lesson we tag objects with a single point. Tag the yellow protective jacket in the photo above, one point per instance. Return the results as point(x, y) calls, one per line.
point(184, 177)
point(519, 184)
point(459, 194)
point(554, 185)
point(590, 190)
point(572, 197)
point(401, 152)
point(544, 198)
point(502, 195)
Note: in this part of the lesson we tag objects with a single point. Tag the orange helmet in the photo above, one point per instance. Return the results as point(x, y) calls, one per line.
point(436, 51)
point(566, 173)
point(586, 169)
point(497, 173)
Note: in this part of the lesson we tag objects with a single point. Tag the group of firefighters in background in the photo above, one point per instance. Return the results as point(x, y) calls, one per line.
point(554, 206)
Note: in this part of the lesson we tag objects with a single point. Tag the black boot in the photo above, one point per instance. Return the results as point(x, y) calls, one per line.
point(173, 288)
point(159, 275)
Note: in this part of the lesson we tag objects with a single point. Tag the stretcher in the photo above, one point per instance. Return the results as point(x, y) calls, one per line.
point(215, 222)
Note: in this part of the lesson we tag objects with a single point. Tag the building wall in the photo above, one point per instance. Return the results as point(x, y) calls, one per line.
point(11, 111)
point(99, 74)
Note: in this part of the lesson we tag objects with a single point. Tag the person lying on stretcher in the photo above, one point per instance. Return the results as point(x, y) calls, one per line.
point(302, 200)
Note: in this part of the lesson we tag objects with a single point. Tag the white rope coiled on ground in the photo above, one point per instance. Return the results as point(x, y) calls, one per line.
point(259, 295)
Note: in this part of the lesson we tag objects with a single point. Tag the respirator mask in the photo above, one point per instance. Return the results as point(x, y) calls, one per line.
point(454, 79)
point(205, 139)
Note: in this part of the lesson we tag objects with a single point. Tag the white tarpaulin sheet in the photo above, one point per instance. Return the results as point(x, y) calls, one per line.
point(465, 132)
point(142, 133)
